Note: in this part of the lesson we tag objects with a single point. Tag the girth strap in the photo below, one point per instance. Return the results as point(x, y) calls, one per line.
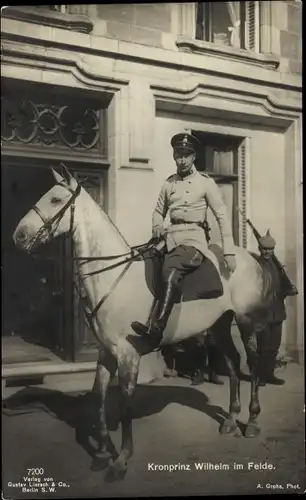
point(101, 302)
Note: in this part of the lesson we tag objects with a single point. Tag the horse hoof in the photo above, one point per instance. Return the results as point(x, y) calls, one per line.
point(237, 433)
point(252, 430)
point(115, 474)
point(228, 427)
point(100, 463)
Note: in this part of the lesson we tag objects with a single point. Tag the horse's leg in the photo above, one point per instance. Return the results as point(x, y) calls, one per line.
point(252, 348)
point(128, 367)
point(221, 331)
point(106, 369)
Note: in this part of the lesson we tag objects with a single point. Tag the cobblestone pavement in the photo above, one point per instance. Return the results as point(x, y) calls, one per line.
point(174, 424)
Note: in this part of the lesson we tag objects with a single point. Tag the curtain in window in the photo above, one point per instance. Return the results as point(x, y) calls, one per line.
point(222, 161)
point(234, 13)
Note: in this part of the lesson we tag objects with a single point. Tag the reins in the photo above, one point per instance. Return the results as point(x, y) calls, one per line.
point(135, 253)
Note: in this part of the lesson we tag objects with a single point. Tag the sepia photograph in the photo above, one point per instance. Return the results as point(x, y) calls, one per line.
point(152, 250)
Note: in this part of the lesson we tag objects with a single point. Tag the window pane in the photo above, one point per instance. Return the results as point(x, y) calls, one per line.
point(223, 161)
point(225, 20)
point(200, 21)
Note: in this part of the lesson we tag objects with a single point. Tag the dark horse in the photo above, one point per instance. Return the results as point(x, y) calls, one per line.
point(119, 295)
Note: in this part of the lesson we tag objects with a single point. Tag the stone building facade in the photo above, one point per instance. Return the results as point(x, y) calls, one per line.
point(108, 85)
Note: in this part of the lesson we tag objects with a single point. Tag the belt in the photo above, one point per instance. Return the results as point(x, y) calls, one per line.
point(181, 221)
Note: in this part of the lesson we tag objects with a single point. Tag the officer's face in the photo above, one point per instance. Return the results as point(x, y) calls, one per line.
point(266, 252)
point(184, 161)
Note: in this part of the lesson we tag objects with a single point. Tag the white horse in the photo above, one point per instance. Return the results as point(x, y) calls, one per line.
point(120, 295)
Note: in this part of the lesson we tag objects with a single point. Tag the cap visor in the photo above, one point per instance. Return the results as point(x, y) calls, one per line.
point(184, 150)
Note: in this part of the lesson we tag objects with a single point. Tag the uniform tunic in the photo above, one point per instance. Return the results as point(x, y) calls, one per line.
point(269, 338)
point(188, 199)
point(277, 310)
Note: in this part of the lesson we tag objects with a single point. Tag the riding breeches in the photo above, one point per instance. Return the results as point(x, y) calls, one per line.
point(181, 261)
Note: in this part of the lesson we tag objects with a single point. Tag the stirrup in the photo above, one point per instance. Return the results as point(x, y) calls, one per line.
point(140, 329)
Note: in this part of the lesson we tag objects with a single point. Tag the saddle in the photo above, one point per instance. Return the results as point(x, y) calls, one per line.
point(202, 283)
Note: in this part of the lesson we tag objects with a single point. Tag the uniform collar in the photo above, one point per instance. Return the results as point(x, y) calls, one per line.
point(193, 172)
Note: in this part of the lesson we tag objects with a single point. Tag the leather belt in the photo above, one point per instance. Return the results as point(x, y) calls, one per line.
point(181, 221)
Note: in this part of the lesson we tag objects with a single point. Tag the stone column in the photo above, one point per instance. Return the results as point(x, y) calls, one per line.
point(265, 27)
point(133, 122)
point(279, 21)
point(141, 119)
point(188, 20)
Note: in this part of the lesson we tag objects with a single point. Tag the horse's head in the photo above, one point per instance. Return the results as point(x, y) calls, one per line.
point(52, 215)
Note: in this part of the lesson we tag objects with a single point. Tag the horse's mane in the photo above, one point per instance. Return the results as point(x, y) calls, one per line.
point(104, 215)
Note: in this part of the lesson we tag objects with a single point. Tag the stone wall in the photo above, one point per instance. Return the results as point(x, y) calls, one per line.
point(144, 23)
point(287, 19)
point(157, 25)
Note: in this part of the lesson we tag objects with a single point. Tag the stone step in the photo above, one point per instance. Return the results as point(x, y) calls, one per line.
point(69, 377)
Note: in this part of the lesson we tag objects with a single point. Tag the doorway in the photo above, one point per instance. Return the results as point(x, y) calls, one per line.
point(33, 286)
point(218, 156)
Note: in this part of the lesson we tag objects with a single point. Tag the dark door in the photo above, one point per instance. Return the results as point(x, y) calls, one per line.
point(33, 286)
point(84, 341)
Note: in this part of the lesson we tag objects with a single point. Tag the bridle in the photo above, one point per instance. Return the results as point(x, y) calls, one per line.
point(49, 224)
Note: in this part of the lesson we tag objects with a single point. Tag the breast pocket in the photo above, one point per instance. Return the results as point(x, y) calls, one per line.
point(174, 194)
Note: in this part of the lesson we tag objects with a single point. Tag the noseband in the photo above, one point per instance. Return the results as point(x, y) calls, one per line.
point(48, 222)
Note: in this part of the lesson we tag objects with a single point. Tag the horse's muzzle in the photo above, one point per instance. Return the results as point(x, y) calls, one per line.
point(22, 239)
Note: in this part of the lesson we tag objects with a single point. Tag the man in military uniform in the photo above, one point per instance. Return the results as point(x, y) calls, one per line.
point(270, 336)
point(186, 195)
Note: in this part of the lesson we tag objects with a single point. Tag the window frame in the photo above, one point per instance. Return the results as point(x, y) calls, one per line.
point(239, 179)
point(204, 32)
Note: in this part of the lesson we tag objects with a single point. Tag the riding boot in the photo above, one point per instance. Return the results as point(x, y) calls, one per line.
point(270, 378)
point(198, 377)
point(154, 333)
point(212, 359)
point(273, 380)
point(199, 360)
point(212, 356)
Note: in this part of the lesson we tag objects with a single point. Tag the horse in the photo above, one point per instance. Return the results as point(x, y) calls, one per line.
point(113, 276)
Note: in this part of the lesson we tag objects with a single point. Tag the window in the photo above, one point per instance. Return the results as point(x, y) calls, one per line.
point(48, 119)
point(55, 8)
point(219, 157)
point(59, 8)
point(234, 24)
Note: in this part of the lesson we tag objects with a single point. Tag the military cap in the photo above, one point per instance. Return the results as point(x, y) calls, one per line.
point(267, 241)
point(185, 141)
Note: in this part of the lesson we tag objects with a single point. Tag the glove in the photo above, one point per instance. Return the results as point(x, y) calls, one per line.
point(158, 232)
point(231, 262)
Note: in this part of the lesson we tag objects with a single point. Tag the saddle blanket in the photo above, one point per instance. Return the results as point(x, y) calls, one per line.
point(202, 283)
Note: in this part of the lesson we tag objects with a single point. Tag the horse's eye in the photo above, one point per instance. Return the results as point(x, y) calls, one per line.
point(55, 200)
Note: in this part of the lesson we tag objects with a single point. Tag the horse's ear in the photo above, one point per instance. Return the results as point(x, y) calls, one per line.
point(57, 176)
point(62, 174)
point(66, 174)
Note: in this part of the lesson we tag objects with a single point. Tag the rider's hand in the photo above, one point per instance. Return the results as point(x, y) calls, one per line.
point(158, 232)
point(231, 262)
